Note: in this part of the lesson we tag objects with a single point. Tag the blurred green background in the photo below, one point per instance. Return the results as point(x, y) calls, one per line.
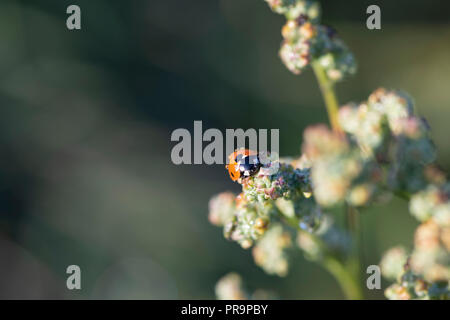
point(86, 118)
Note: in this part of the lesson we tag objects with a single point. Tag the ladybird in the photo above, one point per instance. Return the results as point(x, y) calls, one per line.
point(243, 163)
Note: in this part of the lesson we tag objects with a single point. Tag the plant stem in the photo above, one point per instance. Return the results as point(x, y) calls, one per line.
point(348, 275)
point(329, 96)
point(348, 282)
point(354, 227)
point(403, 195)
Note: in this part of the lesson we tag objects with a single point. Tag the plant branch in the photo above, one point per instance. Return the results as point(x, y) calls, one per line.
point(348, 282)
point(354, 227)
point(348, 275)
point(341, 272)
point(329, 96)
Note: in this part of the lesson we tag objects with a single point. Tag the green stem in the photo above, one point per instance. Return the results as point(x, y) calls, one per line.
point(348, 275)
point(354, 227)
point(347, 280)
point(403, 195)
point(329, 95)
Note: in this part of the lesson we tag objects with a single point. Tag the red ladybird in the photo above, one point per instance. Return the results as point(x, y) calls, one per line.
point(243, 163)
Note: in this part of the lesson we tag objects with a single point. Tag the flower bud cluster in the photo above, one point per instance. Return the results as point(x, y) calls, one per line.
point(409, 287)
point(306, 41)
point(431, 255)
point(340, 171)
point(430, 258)
point(249, 222)
point(270, 252)
point(292, 9)
point(385, 147)
point(230, 287)
point(291, 189)
point(432, 202)
point(385, 128)
point(222, 208)
point(251, 217)
point(393, 262)
point(412, 286)
point(287, 182)
point(394, 140)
